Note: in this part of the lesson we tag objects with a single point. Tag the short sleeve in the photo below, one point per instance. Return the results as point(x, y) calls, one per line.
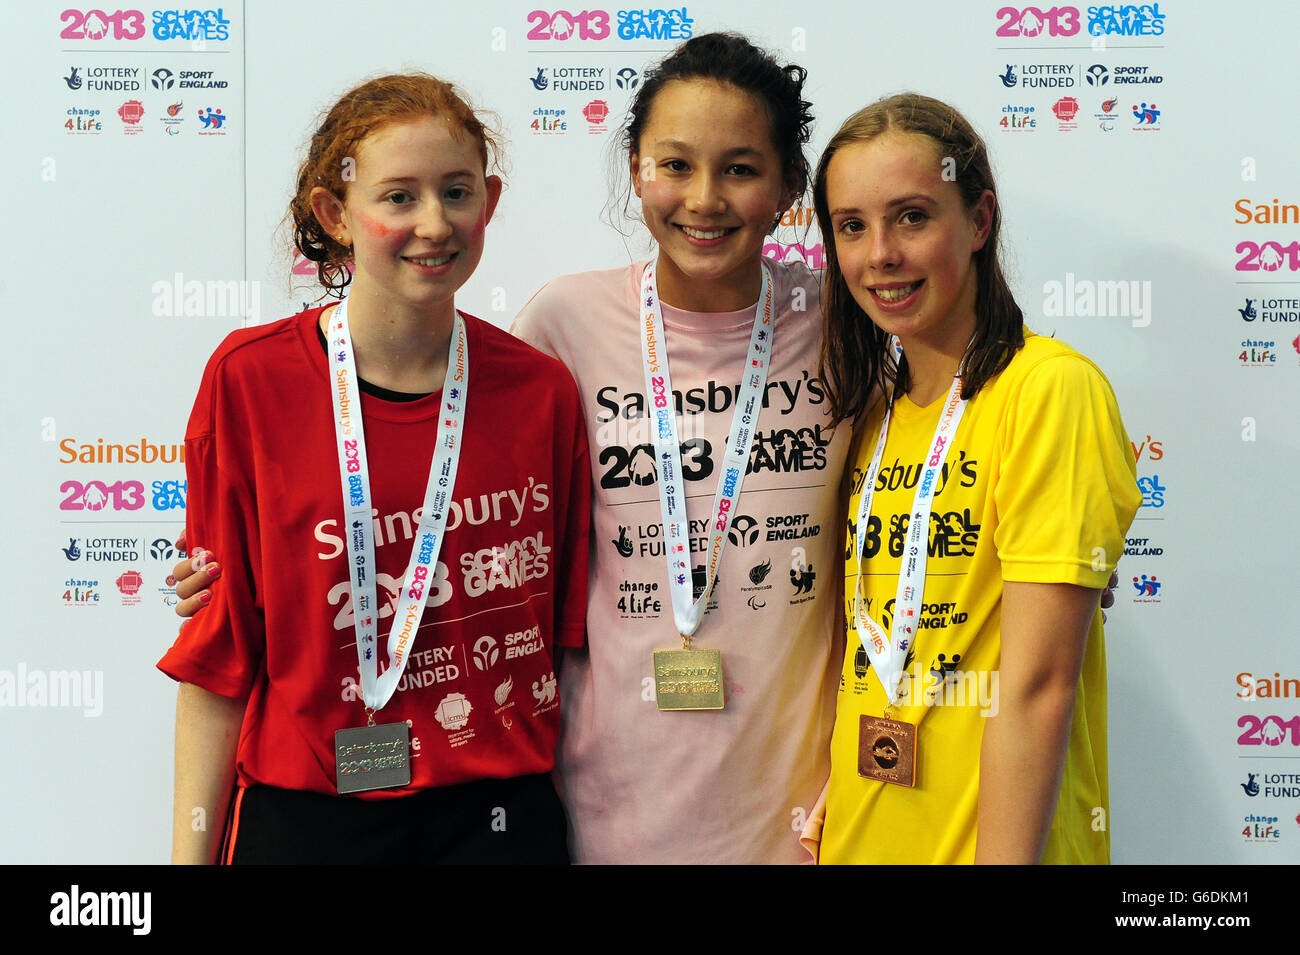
point(221, 649)
point(1066, 485)
point(533, 323)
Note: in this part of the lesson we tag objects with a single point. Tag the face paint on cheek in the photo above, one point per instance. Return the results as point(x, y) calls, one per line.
point(374, 227)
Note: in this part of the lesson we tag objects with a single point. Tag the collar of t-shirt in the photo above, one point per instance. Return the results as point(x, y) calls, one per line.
point(374, 391)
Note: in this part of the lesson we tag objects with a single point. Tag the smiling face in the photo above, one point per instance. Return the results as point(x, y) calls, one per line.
point(414, 216)
point(904, 238)
point(710, 183)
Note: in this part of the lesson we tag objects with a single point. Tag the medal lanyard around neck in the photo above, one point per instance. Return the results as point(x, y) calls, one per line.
point(888, 652)
point(688, 612)
point(354, 470)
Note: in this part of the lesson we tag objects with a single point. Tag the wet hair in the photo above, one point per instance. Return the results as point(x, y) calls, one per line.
point(856, 355)
point(732, 59)
point(359, 113)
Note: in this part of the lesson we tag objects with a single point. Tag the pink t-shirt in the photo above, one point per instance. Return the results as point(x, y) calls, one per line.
point(700, 787)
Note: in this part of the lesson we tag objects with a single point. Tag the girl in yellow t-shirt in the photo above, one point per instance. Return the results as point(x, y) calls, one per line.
point(971, 718)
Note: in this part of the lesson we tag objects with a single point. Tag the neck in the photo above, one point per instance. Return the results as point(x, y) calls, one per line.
point(730, 293)
point(933, 363)
point(398, 348)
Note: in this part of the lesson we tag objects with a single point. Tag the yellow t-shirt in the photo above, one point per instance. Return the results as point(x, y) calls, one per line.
point(1038, 486)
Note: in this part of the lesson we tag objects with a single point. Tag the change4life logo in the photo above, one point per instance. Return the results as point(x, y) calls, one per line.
point(549, 121)
point(1258, 353)
point(83, 121)
point(1261, 829)
point(1018, 117)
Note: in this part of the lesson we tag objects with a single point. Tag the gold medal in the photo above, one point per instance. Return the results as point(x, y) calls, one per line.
point(887, 750)
point(688, 679)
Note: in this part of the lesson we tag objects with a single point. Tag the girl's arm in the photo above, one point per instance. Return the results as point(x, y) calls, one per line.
point(207, 731)
point(1044, 634)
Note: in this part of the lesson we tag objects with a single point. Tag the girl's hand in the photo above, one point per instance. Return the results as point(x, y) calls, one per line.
point(194, 576)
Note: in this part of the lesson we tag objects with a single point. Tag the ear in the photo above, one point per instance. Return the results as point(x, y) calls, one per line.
point(982, 218)
point(494, 186)
point(634, 163)
point(331, 215)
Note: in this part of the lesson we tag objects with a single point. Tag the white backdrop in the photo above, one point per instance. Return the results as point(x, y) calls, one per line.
point(131, 231)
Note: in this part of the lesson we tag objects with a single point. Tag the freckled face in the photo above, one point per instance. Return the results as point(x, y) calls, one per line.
point(417, 212)
point(904, 239)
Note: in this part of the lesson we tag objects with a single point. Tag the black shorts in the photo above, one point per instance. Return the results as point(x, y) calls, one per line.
point(485, 822)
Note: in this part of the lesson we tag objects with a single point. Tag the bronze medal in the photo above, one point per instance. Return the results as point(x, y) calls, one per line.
point(887, 750)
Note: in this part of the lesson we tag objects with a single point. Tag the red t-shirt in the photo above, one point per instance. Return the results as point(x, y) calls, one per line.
point(479, 691)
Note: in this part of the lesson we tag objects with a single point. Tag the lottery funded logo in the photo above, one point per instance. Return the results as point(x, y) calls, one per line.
point(1066, 108)
point(1049, 76)
point(1270, 310)
point(1274, 785)
point(103, 550)
point(105, 79)
point(570, 79)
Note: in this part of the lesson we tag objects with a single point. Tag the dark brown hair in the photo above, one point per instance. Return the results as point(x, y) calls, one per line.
point(732, 59)
point(359, 113)
point(856, 355)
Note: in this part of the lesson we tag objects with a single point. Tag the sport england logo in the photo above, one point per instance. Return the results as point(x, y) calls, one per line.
point(627, 78)
point(1097, 75)
point(486, 652)
point(744, 530)
point(162, 79)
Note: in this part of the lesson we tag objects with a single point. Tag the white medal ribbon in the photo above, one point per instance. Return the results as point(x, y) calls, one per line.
point(888, 651)
point(354, 470)
point(687, 611)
